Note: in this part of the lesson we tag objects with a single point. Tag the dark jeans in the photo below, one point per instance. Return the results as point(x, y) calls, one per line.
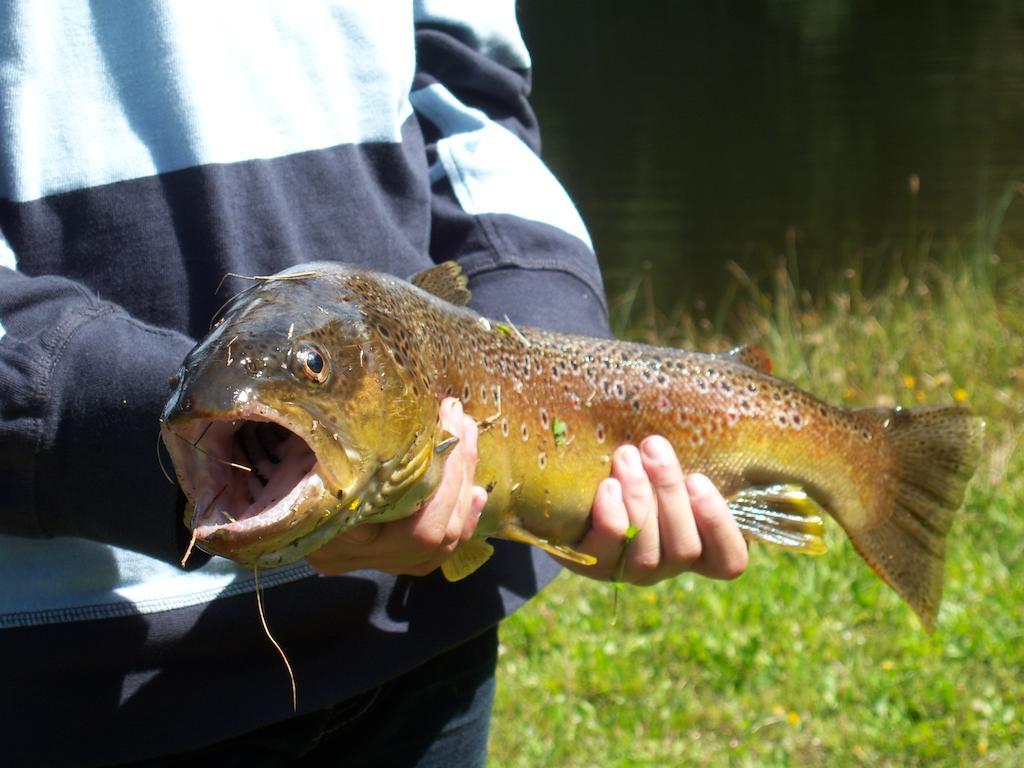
point(436, 716)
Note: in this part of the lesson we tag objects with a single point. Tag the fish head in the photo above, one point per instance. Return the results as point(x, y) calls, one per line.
point(283, 417)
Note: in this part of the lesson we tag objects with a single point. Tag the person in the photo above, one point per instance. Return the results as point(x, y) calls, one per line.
point(150, 149)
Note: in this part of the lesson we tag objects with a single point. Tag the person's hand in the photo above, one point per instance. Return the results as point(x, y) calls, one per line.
point(683, 523)
point(417, 544)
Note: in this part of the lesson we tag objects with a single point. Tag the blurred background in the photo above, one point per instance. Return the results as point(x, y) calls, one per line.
point(839, 183)
point(836, 133)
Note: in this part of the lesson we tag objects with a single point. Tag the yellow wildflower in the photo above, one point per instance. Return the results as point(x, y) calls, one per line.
point(960, 394)
point(909, 381)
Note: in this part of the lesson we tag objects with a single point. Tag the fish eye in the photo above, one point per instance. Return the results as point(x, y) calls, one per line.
point(312, 363)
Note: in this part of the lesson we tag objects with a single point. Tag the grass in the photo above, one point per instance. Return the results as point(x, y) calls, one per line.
point(809, 662)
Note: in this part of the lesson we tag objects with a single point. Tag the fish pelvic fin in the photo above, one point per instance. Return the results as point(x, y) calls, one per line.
point(513, 532)
point(937, 449)
point(782, 515)
point(466, 559)
point(446, 281)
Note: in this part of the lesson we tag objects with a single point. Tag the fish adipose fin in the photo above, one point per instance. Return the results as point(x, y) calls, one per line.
point(446, 281)
point(750, 356)
point(936, 449)
point(466, 559)
point(515, 533)
point(782, 515)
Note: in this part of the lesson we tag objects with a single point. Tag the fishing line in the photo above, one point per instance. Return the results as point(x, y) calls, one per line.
point(266, 631)
point(191, 544)
point(518, 334)
point(264, 278)
point(160, 459)
point(207, 453)
point(195, 527)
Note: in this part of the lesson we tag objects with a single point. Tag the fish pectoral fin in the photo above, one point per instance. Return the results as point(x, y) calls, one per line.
point(782, 515)
point(446, 281)
point(750, 356)
point(466, 559)
point(513, 532)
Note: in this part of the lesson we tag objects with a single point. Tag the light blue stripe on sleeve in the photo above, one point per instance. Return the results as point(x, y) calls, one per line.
point(99, 92)
point(7, 257)
point(65, 579)
point(490, 27)
point(7, 260)
point(491, 169)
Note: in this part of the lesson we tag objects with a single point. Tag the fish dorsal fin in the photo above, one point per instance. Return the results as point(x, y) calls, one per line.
point(446, 281)
point(466, 559)
point(750, 356)
point(513, 532)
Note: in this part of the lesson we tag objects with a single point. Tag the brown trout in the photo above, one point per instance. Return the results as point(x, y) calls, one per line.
point(312, 407)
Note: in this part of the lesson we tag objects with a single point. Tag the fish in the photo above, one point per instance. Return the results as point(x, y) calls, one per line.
point(312, 405)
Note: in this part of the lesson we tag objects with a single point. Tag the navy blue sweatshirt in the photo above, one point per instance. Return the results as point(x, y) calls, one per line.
point(146, 151)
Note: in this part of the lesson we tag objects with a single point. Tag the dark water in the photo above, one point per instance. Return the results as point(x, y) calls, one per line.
point(692, 133)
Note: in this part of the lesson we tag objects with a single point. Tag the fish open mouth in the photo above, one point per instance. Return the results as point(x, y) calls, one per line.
point(249, 476)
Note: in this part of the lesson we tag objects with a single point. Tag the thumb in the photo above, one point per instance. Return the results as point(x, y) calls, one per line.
point(366, 533)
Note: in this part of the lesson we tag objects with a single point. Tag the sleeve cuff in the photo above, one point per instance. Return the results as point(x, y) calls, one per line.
point(98, 474)
point(544, 298)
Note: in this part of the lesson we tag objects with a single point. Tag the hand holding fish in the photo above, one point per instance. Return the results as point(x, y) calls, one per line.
point(418, 544)
point(681, 523)
point(680, 528)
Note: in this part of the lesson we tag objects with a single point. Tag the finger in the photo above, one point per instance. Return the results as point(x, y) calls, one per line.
point(322, 562)
point(450, 413)
point(460, 517)
point(680, 540)
point(434, 530)
point(724, 554)
point(361, 535)
point(336, 556)
point(438, 524)
point(478, 499)
point(642, 555)
point(608, 523)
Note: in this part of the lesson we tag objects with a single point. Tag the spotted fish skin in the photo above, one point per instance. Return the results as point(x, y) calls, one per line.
point(553, 407)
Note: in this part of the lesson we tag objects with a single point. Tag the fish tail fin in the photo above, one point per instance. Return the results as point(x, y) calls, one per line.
point(936, 450)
